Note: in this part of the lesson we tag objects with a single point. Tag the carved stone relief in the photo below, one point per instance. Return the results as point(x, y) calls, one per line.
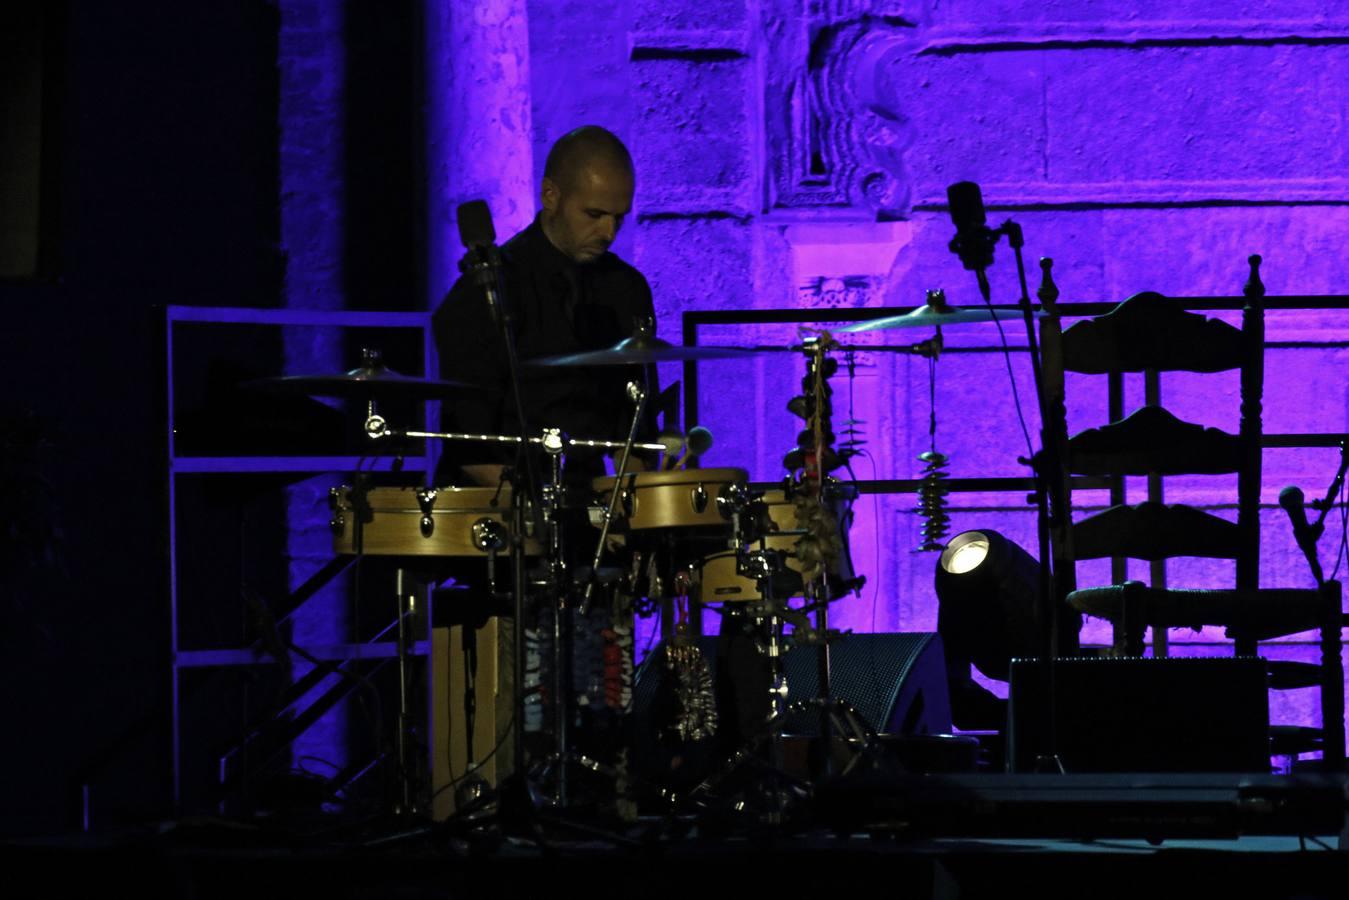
point(835, 136)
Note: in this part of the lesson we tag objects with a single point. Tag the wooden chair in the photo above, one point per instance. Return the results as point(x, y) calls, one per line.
point(1149, 334)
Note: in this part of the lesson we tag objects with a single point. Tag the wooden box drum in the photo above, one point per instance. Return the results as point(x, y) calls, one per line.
point(680, 499)
point(408, 521)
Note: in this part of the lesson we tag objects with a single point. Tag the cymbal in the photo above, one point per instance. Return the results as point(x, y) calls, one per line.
point(927, 316)
point(641, 350)
point(369, 382)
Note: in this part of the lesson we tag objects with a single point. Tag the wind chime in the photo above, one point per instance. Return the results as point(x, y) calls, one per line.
point(812, 460)
point(932, 488)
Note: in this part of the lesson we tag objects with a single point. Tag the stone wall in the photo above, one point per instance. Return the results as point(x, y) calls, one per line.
point(794, 154)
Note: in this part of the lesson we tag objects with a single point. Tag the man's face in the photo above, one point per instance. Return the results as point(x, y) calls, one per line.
point(583, 217)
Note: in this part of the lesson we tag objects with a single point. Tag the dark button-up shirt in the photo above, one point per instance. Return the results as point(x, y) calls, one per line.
point(559, 307)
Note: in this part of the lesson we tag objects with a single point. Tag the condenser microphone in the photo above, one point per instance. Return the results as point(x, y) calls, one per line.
point(475, 224)
point(482, 262)
point(1294, 503)
point(974, 240)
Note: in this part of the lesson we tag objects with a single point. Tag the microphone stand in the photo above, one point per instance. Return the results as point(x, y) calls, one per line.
point(484, 263)
point(1049, 500)
point(1324, 505)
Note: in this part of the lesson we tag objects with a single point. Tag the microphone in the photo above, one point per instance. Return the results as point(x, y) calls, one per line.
point(483, 260)
point(1294, 503)
point(974, 240)
point(475, 224)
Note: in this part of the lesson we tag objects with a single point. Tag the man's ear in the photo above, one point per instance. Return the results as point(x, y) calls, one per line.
point(550, 195)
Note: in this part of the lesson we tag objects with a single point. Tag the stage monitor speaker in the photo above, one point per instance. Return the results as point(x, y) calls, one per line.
point(1176, 714)
point(896, 681)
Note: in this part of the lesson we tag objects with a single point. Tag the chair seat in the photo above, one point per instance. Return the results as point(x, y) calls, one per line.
point(1260, 614)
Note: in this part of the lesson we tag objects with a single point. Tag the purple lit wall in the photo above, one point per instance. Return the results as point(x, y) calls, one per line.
point(312, 57)
point(795, 154)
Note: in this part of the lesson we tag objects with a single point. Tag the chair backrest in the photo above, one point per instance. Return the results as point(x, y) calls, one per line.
point(1150, 334)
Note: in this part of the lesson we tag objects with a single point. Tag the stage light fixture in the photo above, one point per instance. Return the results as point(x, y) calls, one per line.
point(986, 593)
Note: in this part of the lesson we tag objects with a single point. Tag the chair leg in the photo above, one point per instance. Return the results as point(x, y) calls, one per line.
point(1332, 678)
point(1133, 619)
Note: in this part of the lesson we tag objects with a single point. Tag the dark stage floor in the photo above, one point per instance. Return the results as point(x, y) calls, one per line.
point(945, 837)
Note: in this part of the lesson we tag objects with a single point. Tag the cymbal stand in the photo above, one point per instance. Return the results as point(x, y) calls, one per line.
point(560, 584)
point(764, 564)
point(407, 607)
point(554, 444)
point(637, 394)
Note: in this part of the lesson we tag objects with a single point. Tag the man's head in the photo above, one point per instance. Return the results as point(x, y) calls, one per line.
point(587, 191)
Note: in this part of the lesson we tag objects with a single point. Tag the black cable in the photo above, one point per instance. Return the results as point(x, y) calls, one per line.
point(1340, 554)
point(932, 402)
point(1016, 394)
point(474, 767)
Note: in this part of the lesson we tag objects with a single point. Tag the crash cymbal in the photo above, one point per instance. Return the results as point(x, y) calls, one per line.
point(373, 381)
point(641, 350)
point(935, 312)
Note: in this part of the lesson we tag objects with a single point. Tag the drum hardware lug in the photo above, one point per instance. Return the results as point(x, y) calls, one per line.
point(554, 441)
point(698, 496)
point(628, 500)
point(426, 500)
point(338, 524)
point(731, 499)
point(335, 496)
point(488, 535)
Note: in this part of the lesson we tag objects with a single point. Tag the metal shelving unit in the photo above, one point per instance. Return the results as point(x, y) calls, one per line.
point(184, 659)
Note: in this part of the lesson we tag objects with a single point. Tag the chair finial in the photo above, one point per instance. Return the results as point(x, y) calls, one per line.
point(1048, 291)
point(1254, 287)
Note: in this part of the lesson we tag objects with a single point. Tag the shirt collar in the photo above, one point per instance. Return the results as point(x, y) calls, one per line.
point(541, 253)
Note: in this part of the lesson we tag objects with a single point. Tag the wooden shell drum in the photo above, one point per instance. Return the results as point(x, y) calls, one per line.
point(715, 578)
point(408, 521)
point(680, 499)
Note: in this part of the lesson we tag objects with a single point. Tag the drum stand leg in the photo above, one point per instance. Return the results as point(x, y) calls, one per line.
point(407, 767)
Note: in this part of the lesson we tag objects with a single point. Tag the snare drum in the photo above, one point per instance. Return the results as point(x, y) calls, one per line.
point(408, 521)
point(715, 578)
point(685, 498)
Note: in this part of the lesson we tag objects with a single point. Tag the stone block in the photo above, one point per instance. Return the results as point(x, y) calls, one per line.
point(656, 15)
point(692, 136)
point(996, 16)
point(1202, 251)
point(1196, 117)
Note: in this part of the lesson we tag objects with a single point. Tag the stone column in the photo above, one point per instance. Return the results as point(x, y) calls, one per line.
point(311, 57)
point(478, 124)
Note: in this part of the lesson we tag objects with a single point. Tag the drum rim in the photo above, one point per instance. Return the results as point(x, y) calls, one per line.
point(447, 501)
point(726, 475)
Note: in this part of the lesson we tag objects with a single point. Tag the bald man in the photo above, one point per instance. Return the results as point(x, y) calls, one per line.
point(568, 293)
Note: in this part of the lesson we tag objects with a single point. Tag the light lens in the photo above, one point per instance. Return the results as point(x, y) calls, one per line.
point(964, 553)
